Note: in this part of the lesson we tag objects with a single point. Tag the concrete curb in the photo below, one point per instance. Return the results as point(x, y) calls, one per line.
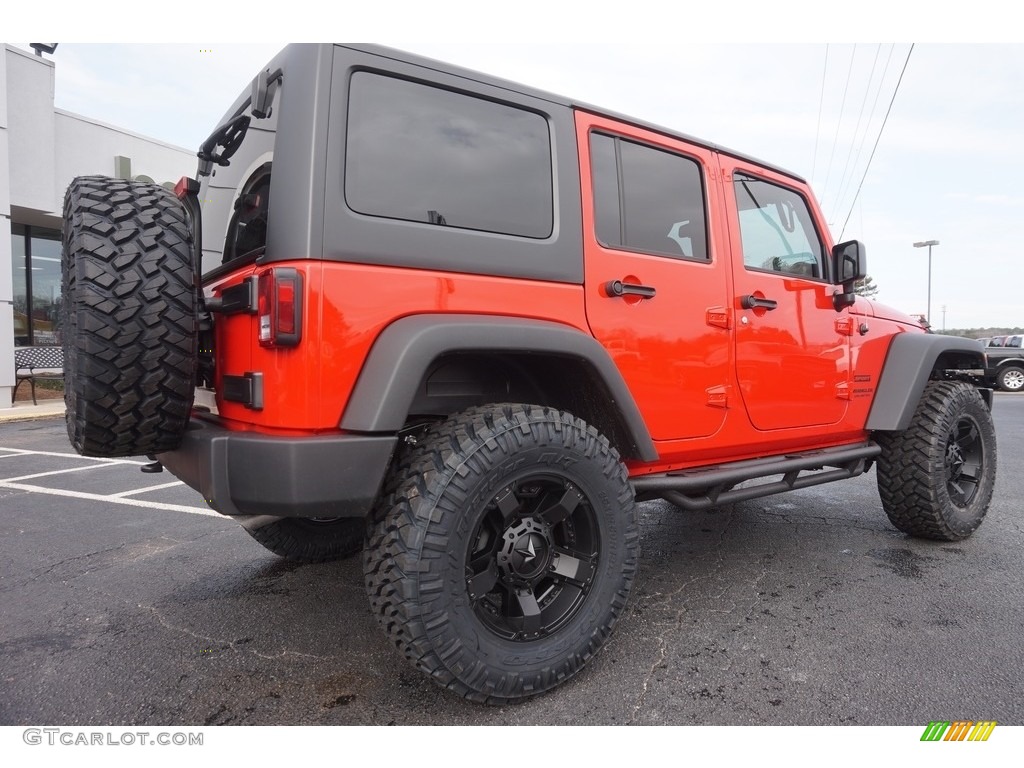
point(45, 410)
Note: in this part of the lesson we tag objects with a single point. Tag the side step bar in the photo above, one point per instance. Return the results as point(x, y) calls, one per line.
point(698, 489)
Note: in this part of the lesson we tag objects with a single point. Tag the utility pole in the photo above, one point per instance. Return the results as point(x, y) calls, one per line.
point(922, 244)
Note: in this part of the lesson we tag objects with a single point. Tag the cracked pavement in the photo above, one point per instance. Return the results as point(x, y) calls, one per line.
point(805, 608)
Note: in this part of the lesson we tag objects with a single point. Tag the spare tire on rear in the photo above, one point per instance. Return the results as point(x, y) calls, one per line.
point(129, 325)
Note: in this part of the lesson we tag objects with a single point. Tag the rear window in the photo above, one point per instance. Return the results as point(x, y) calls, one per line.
point(430, 155)
point(647, 199)
point(247, 228)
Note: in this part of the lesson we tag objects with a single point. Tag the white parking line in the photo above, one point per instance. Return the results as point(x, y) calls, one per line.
point(23, 452)
point(122, 494)
point(16, 484)
point(109, 499)
point(61, 472)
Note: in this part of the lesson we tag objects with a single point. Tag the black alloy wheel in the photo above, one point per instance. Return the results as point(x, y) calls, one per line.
point(532, 559)
point(965, 459)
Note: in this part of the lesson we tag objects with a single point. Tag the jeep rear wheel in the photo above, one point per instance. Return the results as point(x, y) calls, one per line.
point(936, 478)
point(129, 324)
point(503, 550)
point(1011, 378)
point(313, 539)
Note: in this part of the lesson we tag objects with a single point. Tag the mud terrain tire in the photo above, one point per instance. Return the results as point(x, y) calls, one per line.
point(129, 324)
point(503, 550)
point(936, 477)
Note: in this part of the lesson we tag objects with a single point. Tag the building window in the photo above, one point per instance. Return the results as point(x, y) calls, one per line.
point(37, 285)
point(425, 154)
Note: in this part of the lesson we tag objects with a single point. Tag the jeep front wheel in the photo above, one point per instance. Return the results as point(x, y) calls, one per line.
point(1011, 378)
point(936, 477)
point(503, 550)
point(129, 324)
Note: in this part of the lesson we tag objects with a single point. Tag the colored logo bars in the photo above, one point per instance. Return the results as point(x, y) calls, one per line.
point(958, 730)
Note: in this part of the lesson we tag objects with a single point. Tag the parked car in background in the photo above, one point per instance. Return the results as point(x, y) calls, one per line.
point(1006, 363)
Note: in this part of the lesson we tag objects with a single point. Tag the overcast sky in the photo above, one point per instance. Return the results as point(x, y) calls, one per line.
point(945, 168)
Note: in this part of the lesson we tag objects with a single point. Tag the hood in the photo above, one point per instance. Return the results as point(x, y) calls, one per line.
point(869, 308)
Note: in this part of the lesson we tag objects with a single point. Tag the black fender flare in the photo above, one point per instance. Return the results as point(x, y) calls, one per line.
point(908, 365)
point(404, 351)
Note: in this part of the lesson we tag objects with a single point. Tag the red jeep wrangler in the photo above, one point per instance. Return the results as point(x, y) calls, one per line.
point(473, 323)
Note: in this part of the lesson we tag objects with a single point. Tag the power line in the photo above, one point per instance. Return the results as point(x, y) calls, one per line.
point(877, 140)
point(842, 108)
point(821, 105)
point(856, 131)
point(871, 119)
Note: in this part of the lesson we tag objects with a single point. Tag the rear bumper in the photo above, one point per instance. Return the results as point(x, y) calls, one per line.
point(242, 473)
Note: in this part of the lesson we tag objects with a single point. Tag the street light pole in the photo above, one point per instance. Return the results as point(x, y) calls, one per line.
point(922, 244)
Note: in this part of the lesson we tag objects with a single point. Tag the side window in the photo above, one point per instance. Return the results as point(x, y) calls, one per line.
point(247, 228)
point(647, 199)
point(426, 154)
point(777, 229)
point(1014, 342)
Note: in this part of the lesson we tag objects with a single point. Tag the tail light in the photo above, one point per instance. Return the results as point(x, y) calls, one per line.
point(280, 307)
point(186, 186)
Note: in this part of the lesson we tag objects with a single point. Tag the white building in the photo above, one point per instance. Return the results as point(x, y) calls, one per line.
point(41, 150)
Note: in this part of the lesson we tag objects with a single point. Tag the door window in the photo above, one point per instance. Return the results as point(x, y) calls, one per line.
point(776, 229)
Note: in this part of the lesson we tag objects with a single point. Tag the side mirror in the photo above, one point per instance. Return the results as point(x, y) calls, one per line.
point(849, 264)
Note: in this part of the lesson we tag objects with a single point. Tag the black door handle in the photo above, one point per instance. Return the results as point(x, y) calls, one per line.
point(756, 302)
point(619, 288)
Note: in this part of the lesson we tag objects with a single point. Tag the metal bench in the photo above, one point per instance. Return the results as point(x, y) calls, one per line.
point(32, 363)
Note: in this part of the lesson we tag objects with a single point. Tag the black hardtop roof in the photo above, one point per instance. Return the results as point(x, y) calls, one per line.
point(423, 61)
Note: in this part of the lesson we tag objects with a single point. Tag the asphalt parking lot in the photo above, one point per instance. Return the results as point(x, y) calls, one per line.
point(125, 601)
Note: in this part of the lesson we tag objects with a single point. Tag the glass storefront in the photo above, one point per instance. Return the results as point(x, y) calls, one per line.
point(35, 259)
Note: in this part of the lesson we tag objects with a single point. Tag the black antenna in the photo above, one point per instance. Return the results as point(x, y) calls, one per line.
point(41, 48)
